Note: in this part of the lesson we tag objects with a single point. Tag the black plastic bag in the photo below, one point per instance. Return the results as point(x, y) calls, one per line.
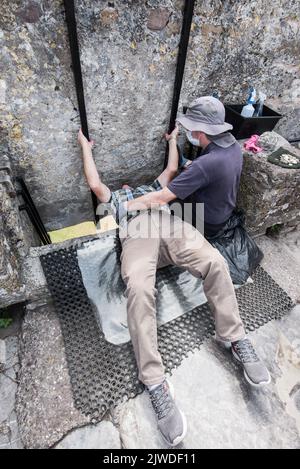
point(238, 248)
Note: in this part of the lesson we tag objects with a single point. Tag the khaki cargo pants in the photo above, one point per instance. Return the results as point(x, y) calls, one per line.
point(157, 239)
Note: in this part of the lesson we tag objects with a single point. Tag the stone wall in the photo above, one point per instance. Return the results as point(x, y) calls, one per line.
point(269, 194)
point(12, 244)
point(129, 51)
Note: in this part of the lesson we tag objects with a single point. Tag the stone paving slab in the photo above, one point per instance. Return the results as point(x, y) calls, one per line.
point(101, 436)
point(12, 358)
point(9, 434)
point(282, 261)
point(8, 388)
point(221, 409)
point(2, 354)
point(9, 431)
point(44, 402)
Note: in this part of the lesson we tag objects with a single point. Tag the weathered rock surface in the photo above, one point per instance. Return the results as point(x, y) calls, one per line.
point(235, 44)
point(210, 387)
point(268, 193)
point(2, 354)
point(282, 261)
point(129, 52)
point(12, 245)
point(101, 436)
point(16, 233)
point(44, 402)
point(158, 19)
point(9, 433)
point(221, 409)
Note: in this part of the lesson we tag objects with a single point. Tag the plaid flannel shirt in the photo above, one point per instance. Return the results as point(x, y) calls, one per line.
point(123, 195)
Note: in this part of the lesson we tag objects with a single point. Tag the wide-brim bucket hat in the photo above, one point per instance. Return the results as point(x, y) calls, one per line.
point(205, 114)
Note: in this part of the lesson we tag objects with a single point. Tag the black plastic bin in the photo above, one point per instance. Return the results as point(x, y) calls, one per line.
point(244, 127)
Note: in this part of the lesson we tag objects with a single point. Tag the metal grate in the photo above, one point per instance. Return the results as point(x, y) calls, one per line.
point(102, 374)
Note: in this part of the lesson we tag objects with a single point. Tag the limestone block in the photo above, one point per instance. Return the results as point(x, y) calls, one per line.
point(12, 288)
point(101, 436)
point(158, 19)
point(268, 193)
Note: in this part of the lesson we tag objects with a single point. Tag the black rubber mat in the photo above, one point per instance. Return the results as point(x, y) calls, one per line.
point(103, 374)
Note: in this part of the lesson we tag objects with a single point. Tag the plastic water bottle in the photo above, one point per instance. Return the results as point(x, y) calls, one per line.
point(248, 110)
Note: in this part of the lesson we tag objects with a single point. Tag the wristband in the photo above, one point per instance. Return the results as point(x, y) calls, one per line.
point(182, 161)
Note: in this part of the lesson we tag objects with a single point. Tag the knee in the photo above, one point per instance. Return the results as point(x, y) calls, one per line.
point(218, 263)
point(217, 258)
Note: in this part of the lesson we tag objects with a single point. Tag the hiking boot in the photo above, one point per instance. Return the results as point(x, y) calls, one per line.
point(255, 371)
point(171, 421)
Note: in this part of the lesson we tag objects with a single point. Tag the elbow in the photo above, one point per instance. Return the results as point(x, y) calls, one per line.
point(172, 171)
point(165, 196)
point(94, 187)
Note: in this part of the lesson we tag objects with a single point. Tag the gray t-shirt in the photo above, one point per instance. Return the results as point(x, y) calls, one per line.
point(213, 179)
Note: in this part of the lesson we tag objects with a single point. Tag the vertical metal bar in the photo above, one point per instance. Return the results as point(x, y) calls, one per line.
point(32, 218)
point(34, 214)
point(76, 65)
point(181, 59)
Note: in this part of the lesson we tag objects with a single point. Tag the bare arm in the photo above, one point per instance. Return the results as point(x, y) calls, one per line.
point(150, 200)
point(163, 196)
point(172, 167)
point(92, 176)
